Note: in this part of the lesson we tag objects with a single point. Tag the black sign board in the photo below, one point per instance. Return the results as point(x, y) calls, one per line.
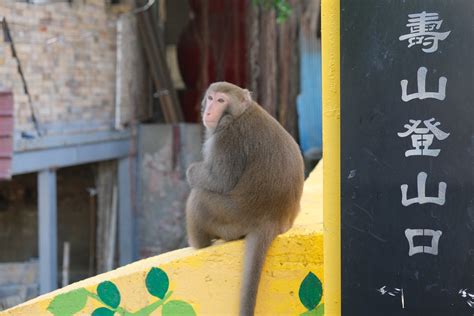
point(407, 157)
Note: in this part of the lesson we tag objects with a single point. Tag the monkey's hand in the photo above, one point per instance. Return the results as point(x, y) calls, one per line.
point(210, 178)
point(192, 173)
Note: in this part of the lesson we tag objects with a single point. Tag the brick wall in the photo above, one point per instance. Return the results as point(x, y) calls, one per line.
point(68, 55)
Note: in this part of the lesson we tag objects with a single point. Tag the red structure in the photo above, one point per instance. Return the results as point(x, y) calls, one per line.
point(6, 133)
point(212, 48)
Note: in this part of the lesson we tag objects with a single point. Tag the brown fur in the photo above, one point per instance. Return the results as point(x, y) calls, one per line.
point(248, 185)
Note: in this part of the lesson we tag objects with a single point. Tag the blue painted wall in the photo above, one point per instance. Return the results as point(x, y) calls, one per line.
point(309, 101)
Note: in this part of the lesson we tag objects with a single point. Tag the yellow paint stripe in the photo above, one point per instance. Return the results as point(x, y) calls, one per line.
point(331, 142)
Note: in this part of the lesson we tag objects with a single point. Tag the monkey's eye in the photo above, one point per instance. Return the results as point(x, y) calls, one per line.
point(220, 100)
point(209, 98)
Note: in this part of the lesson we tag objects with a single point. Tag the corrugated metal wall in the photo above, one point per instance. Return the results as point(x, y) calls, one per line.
point(6, 133)
point(309, 101)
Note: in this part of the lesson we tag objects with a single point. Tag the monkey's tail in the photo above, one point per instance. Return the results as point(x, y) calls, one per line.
point(256, 247)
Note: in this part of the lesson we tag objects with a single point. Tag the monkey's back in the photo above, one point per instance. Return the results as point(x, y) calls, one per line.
point(272, 181)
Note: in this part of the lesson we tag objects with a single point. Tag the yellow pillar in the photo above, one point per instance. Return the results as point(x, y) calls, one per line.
point(331, 141)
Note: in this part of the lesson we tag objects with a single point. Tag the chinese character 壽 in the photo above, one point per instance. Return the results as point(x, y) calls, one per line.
point(423, 28)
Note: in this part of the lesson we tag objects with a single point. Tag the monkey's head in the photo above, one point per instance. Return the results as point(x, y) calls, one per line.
point(223, 101)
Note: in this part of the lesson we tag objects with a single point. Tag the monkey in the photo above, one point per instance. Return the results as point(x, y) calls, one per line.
point(249, 183)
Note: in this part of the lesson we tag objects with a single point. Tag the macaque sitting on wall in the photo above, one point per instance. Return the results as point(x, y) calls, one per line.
point(249, 184)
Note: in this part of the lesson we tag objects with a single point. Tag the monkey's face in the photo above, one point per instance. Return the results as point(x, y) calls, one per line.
point(216, 105)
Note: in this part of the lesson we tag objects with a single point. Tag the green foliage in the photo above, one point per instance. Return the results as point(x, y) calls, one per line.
point(282, 8)
point(109, 294)
point(180, 308)
point(68, 303)
point(311, 291)
point(103, 311)
point(157, 282)
point(318, 311)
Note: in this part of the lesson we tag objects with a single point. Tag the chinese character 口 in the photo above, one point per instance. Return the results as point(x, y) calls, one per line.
point(423, 28)
point(421, 137)
point(432, 250)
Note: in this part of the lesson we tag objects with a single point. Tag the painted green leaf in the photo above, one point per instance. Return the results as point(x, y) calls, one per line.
point(318, 311)
point(109, 294)
point(311, 291)
point(68, 303)
point(103, 311)
point(157, 282)
point(175, 308)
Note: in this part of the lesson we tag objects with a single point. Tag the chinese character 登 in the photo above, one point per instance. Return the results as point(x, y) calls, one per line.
point(423, 28)
point(432, 250)
point(423, 137)
point(422, 198)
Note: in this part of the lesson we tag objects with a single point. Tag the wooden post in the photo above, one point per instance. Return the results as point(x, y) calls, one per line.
point(126, 235)
point(66, 259)
point(47, 222)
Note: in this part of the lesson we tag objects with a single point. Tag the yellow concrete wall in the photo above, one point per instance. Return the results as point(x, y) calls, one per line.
point(206, 282)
